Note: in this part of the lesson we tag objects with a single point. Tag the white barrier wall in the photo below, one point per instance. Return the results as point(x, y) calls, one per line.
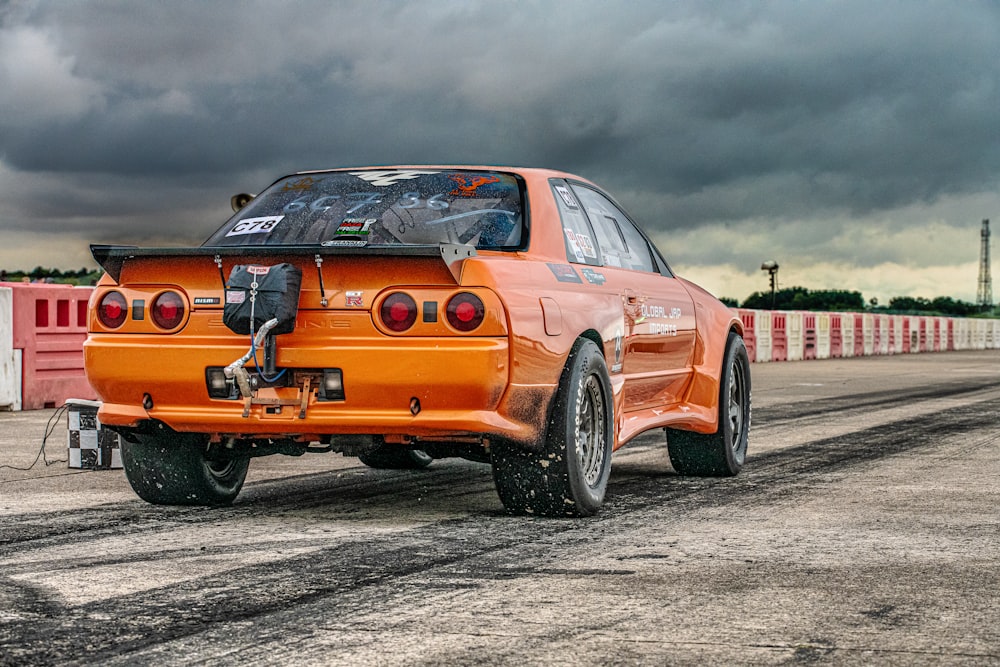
point(868, 333)
point(897, 334)
point(847, 334)
point(914, 323)
point(763, 335)
point(979, 328)
point(961, 334)
point(796, 336)
point(9, 377)
point(822, 335)
point(882, 326)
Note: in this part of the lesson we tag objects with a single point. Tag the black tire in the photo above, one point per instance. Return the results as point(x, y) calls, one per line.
point(175, 469)
point(396, 457)
point(719, 454)
point(569, 475)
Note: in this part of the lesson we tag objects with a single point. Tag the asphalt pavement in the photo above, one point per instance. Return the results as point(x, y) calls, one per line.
point(864, 529)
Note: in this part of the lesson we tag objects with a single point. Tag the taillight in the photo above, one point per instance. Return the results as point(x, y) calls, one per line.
point(465, 311)
point(167, 310)
point(399, 311)
point(112, 310)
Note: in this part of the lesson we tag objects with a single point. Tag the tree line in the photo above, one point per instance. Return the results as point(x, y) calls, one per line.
point(83, 276)
point(801, 298)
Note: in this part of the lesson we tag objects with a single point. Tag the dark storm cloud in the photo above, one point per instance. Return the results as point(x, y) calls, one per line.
point(692, 113)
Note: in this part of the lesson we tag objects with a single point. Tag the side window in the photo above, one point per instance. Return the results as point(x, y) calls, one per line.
point(620, 243)
point(577, 234)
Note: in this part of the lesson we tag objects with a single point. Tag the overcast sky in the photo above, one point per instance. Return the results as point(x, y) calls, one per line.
point(856, 143)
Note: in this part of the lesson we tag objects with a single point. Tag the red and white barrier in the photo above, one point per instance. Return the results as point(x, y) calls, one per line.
point(48, 325)
point(10, 381)
point(797, 335)
point(749, 319)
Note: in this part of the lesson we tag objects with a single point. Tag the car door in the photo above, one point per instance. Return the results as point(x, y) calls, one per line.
point(659, 320)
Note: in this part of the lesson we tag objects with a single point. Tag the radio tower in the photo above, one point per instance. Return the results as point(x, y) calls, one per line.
point(984, 297)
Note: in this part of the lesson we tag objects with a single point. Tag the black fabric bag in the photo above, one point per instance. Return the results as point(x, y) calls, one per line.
point(277, 296)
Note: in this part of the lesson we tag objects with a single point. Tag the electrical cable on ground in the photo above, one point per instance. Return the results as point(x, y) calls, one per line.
point(49, 428)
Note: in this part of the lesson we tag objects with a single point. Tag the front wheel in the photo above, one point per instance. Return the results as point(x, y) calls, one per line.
point(569, 475)
point(172, 468)
point(719, 454)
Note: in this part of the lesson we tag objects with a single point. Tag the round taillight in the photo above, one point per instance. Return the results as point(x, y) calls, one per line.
point(167, 310)
point(399, 311)
point(465, 311)
point(112, 310)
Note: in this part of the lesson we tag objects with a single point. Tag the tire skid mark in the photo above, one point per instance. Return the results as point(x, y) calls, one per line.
point(774, 415)
point(342, 492)
point(480, 546)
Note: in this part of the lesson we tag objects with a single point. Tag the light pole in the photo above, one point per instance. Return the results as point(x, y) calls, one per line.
point(771, 267)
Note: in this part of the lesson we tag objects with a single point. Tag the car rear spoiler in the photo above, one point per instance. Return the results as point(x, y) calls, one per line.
point(113, 257)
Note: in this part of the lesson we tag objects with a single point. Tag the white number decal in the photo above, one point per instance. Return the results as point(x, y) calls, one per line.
point(409, 200)
point(363, 199)
point(414, 200)
point(296, 205)
point(318, 204)
point(255, 226)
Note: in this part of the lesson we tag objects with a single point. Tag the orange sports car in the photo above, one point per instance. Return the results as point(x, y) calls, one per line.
point(516, 317)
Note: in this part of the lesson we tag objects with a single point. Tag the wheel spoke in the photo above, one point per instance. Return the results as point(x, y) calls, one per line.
point(590, 442)
point(736, 404)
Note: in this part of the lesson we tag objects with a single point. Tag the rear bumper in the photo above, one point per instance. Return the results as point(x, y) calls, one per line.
point(462, 385)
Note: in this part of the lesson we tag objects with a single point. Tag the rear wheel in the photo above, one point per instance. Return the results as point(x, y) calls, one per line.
point(396, 457)
point(569, 475)
point(175, 469)
point(719, 454)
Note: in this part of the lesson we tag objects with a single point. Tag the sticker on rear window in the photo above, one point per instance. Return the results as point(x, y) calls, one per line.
point(255, 225)
point(566, 196)
point(574, 244)
point(390, 177)
point(355, 226)
point(469, 184)
point(345, 243)
point(586, 245)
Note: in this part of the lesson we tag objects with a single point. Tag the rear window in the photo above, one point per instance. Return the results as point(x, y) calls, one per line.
point(382, 208)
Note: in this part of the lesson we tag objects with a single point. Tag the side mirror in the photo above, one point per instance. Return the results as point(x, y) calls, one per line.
point(240, 200)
